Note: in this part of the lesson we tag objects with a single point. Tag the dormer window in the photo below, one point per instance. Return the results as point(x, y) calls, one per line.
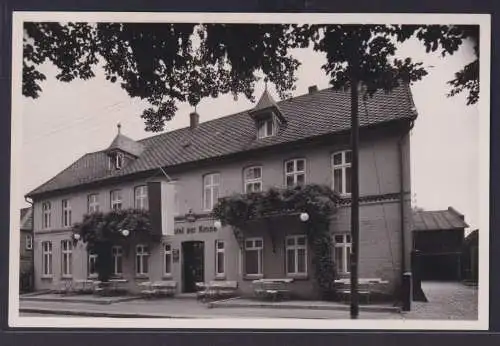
point(119, 160)
point(266, 128)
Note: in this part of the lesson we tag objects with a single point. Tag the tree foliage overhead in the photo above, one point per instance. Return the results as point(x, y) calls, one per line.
point(166, 63)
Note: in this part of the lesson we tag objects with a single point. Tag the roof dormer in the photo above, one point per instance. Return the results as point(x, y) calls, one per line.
point(122, 150)
point(267, 116)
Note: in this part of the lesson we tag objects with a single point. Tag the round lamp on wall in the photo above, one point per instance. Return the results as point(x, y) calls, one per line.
point(217, 224)
point(76, 236)
point(125, 232)
point(304, 217)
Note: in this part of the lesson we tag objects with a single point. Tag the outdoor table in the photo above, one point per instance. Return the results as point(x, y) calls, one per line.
point(116, 282)
point(85, 285)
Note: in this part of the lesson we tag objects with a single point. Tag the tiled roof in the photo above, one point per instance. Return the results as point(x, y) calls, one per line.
point(438, 220)
point(323, 112)
point(266, 101)
point(26, 219)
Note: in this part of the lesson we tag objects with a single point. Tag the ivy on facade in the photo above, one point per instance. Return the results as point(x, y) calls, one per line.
point(318, 201)
point(100, 231)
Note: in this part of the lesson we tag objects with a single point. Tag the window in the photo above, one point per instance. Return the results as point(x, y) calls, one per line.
point(253, 179)
point(116, 199)
point(220, 258)
point(92, 261)
point(141, 256)
point(141, 197)
point(47, 258)
point(295, 172)
point(117, 255)
point(296, 254)
point(266, 128)
point(66, 213)
point(29, 242)
point(67, 256)
point(168, 259)
point(118, 160)
point(341, 163)
point(253, 256)
point(343, 253)
point(210, 190)
point(93, 203)
point(46, 207)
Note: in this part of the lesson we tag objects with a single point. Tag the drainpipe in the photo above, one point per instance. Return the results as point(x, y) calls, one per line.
point(401, 197)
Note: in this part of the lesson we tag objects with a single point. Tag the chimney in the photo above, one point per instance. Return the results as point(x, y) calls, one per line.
point(194, 120)
point(313, 88)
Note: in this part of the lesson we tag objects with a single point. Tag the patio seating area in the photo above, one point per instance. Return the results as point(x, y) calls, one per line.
point(272, 289)
point(158, 289)
point(366, 288)
point(111, 288)
point(216, 290)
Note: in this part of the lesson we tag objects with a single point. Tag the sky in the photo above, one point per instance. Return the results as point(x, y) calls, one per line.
point(71, 119)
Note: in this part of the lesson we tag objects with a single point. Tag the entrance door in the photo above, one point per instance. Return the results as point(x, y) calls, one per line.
point(193, 255)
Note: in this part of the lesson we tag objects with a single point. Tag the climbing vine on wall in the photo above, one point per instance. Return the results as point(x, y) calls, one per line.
point(318, 201)
point(100, 231)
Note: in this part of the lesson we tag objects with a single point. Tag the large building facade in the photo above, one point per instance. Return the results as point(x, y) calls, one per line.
point(302, 140)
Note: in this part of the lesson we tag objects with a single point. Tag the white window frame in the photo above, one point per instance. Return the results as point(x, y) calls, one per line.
point(119, 158)
point(263, 127)
point(66, 258)
point(141, 197)
point(116, 198)
point(47, 259)
point(167, 256)
point(260, 256)
point(209, 187)
point(295, 172)
point(343, 165)
point(295, 248)
point(218, 251)
point(66, 213)
point(46, 215)
point(29, 242)
point(141, 254)
point(93, 203)
point(252, 181)
point(344, 246)
point(91, 257)
point(117, 253)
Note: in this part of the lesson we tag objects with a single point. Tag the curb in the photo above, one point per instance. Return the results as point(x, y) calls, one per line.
point(226, 304)
point(76, 300)
point(96, 313)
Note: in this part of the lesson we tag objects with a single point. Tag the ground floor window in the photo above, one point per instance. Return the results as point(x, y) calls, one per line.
point(67, 257)
point(220, 258)
point(92, 260)
point(47, 258)
point(296, 255)
point(117, 255)
point(342, 250)
point(168, 259)
point(141, 256)
point(253, 256)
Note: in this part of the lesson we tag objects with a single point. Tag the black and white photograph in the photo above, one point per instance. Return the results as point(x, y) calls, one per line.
point(285, 171)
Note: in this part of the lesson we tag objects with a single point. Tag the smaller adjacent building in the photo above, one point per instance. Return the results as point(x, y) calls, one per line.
point(438, 238)
point(470, 257)
point(26, 250)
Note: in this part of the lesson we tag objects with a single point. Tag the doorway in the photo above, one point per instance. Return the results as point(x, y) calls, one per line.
point(193, 254)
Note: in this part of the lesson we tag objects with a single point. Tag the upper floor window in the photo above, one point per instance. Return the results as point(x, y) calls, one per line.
point(67, 257)
point(295, 172)
point(341, 163)
point(66, 213)
point(253, 179)
point(29, 242)
point(93, 203)
point(116, 199)
point(141, 197)
point(342, 251)
point(211, 183)
point(296, 254)
point(46, 258)
point(266, 128)
point(46, 210)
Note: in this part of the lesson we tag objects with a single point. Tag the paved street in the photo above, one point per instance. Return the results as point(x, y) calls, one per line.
point(446, 301)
